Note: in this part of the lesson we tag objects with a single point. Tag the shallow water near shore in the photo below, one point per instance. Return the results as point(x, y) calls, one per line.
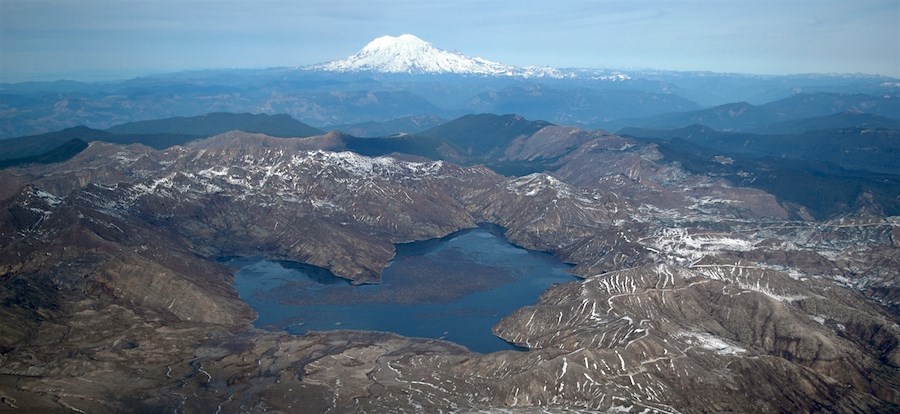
point(454, 288)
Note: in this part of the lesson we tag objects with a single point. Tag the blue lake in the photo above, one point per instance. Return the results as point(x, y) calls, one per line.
point(455, 288)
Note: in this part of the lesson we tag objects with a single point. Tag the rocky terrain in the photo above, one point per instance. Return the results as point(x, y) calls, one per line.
point(696, 296)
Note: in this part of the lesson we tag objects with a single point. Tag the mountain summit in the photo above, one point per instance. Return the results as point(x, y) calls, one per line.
point(409, 54)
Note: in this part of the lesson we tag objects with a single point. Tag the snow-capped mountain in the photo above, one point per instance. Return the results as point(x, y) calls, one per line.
point(410, 54)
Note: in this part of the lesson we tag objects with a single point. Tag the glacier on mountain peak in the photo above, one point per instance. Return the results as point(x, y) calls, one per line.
point(409, 54)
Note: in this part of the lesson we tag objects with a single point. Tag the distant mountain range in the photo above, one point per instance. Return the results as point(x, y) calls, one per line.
point(158, 134)
point(579, 106)
point(404, 125)
point(399, 77)
point(780, 115)
point(216, 123)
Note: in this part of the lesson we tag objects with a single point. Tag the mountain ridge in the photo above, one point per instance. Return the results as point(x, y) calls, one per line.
point(746, 117)
point(279, 125)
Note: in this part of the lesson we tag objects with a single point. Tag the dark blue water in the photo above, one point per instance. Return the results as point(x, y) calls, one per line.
point(455, 288)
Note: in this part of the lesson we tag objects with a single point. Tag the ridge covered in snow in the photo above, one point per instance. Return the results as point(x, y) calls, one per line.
point(409, 54)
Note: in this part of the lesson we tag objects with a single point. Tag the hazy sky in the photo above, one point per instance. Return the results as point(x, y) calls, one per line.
point(91, 39)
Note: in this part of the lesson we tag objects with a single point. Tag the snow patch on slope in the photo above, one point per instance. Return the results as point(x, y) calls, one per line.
point(532, 184)
point(46, 197)
point(680, 246)
point(363, 166)
point(709, 342)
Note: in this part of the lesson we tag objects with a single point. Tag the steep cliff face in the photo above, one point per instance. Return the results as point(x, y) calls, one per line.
point(702, 299)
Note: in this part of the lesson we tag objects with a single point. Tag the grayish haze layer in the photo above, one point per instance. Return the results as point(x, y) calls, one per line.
point(105, 39)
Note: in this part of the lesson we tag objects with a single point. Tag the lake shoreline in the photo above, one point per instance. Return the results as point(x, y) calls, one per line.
point(453, 288)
